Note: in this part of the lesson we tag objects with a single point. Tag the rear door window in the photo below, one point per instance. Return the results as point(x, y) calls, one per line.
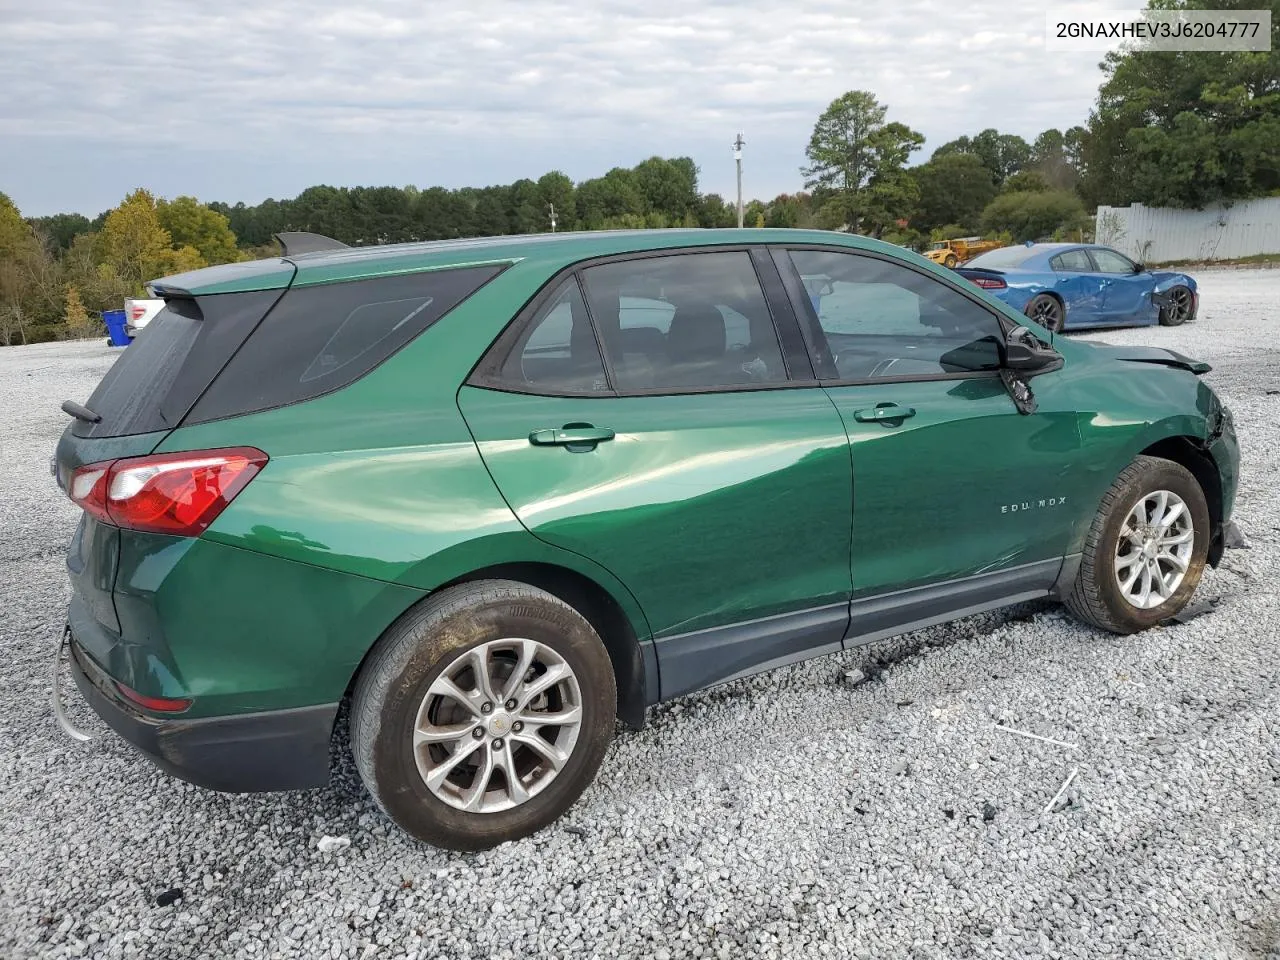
point(1072, 261)
point(681, 322)
point(321, 338)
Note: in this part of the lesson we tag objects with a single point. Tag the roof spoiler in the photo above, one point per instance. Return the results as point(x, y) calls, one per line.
point(302, 242)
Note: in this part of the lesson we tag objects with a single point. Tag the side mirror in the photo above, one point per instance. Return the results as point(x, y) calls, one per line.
point(1139, 268)
point(1025, 353)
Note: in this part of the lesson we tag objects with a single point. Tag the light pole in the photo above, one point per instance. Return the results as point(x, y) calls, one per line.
point(738, 144)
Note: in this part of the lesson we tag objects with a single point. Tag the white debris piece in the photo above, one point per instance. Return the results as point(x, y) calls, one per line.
point(327, 844)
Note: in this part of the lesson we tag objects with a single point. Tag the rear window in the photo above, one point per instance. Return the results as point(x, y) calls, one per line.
point(158, 377)
point(323, 337)
point(1004, 257)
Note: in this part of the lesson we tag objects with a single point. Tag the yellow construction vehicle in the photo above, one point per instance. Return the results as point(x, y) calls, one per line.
point(952, 253)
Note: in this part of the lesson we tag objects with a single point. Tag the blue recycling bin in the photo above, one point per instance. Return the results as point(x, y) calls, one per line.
point(115, 327)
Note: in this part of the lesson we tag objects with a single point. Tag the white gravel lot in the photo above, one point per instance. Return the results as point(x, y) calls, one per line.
point(785, 815)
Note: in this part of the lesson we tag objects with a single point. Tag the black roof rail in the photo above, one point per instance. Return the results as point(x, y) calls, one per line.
point(302, 242)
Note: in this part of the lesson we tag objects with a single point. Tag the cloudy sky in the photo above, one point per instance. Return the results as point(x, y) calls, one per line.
point(245, 99)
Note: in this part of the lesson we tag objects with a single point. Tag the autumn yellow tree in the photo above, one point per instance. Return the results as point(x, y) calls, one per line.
point(137, 245)
point(75, 317)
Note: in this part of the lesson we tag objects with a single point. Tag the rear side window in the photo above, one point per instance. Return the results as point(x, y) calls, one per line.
point(175, 357)
point(323, 337)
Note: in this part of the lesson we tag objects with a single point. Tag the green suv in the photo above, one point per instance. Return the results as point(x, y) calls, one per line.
point(498, 492)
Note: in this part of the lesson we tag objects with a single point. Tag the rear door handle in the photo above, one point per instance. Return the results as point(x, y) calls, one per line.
point(571, 435)
point(882, 412)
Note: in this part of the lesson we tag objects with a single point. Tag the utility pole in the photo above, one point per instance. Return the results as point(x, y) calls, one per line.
point(738, 144)
point(553, 216)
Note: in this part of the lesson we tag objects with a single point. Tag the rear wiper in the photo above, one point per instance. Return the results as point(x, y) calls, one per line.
point(80, 412)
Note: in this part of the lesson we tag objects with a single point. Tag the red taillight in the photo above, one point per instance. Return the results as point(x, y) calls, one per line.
point(989, 283)
point(136, 312)
point(174, 493)
point(158, 704)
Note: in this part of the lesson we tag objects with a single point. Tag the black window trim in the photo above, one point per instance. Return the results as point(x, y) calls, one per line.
point(486, 374)
point(815, 334)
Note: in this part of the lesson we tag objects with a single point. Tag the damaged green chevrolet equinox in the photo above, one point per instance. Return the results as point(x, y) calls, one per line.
point(496, 493)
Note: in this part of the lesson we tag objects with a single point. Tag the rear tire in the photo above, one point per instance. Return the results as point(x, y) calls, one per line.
point(1180, 307)
point(418, 705)
point(1103, 594)
point(1048, 311)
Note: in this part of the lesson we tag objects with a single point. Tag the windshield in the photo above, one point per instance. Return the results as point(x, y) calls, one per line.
point(1004, 257)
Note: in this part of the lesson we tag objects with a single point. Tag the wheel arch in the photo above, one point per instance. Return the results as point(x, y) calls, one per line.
point(634, 662)
point(634, 670)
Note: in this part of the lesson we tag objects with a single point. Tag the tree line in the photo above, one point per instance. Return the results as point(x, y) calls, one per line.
point(1181, 129)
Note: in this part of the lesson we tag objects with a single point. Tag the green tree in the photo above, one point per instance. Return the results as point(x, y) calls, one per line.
point(1026, 181)
point(526, 212)
point(1183, 128)
point(668, 186)
point(556, 189)
point(30, 296)
point(856, 160)
point(954, 188)
point(1003, 154)
point(60, 229)
point(714, 212)
point(1034, 215)
point(193, 224)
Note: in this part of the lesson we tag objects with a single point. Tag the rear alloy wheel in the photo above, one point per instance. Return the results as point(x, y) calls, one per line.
point(1179, 307)
point(1145, 553)
point(1046, 310)
point(483, 714)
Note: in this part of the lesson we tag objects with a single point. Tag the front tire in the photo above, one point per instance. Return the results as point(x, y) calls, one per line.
point(951, 261)
point(1179, 307)
point(483, 714)
point(1146, 550)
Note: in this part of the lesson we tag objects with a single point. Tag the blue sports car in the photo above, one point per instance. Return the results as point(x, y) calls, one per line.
point(1070, 285)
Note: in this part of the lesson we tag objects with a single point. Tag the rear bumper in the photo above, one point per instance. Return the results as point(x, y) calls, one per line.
point(244, 753)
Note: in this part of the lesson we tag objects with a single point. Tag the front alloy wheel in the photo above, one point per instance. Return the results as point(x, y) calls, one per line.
point(1154, 549)
point(1179, 306)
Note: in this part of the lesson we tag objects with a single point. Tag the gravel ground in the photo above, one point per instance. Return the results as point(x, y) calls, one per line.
point(785, 815)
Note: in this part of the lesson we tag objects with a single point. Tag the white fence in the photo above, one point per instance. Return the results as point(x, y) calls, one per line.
point(1161, 234)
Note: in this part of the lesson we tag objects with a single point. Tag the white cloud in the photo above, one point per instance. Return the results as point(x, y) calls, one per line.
point(353, 93)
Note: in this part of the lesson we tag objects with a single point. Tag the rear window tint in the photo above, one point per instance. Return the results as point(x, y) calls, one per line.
point(154, 382)
point(324, 337)
point(1004, 257)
